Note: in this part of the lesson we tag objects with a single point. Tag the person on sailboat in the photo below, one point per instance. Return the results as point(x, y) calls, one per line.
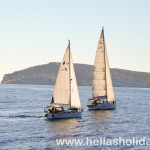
point(62, 108)
point(95, 102)
point(50, 110)
point(52, 100)
point(53, 109)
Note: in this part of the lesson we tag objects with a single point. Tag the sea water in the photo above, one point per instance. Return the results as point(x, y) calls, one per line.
point(23, 125)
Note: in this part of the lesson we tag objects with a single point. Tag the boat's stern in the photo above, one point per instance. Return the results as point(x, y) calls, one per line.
point(102, 105)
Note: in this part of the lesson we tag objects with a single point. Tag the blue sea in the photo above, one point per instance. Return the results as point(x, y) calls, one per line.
point(23, 125)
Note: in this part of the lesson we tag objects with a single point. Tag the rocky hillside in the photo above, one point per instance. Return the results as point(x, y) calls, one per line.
point(47, 73)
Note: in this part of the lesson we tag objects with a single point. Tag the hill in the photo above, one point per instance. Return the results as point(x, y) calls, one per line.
point(47, 73)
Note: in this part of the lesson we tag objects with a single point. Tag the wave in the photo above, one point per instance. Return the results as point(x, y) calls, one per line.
point(21, 116)
point(26, 116)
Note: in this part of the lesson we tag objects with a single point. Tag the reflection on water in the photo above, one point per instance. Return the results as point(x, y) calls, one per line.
point(63, 127)
point(96, 121)
point(102, 114)
point(99, 120)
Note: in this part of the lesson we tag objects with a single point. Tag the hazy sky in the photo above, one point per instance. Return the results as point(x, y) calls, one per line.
point(34, 32)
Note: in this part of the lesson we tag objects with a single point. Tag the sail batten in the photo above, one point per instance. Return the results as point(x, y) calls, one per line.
point(102, 82)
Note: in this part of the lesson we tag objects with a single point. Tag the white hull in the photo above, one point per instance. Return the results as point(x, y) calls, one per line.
point(102, 106)
point(64, 115)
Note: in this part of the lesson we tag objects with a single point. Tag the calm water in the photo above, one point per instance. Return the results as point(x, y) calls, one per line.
point(23, 125)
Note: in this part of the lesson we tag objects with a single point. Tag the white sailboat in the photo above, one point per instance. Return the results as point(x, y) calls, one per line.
point(102, 87)
point(65, 100)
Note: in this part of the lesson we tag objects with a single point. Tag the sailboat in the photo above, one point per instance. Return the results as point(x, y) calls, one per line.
point(102, 87)
point(65, 101)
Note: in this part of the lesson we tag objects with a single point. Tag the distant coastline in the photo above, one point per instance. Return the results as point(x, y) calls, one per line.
point(46, 75)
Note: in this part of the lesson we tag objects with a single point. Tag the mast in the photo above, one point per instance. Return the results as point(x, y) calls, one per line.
point(102, 82)
point(105, 59)
point(69, 72)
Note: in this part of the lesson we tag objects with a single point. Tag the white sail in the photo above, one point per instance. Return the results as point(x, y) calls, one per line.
point(75, 99)
point(110, 90)
point(62, 86)
point(99, 79)
point(62, 93)
point(102, 83)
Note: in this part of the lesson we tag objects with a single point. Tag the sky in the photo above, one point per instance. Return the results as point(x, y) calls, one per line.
point(35, 32)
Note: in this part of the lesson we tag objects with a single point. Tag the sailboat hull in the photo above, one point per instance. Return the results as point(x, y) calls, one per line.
point(103, 106)
point(64, 115)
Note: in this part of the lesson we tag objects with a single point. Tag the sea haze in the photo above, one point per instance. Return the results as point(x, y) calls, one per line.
point(23, 125)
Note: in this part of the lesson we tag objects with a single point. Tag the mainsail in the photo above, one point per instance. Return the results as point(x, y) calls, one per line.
point(102, 82)
point(66, 90)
